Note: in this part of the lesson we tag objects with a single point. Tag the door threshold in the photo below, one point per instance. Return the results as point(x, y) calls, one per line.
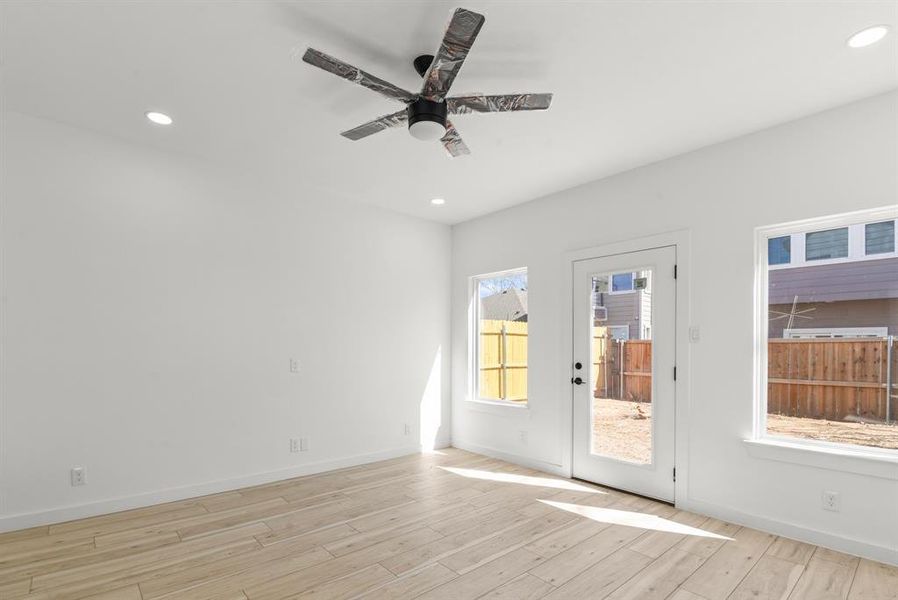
point(628, 492)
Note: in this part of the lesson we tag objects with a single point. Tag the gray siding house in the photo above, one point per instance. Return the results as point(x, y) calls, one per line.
point(507, 305)
point(627, 314)
point(841, 295)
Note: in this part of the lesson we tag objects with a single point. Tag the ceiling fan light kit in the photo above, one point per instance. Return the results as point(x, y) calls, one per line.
point(427, 119)
point(426, 113)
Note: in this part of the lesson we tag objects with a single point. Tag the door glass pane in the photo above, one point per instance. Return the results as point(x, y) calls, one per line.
point(621, 369)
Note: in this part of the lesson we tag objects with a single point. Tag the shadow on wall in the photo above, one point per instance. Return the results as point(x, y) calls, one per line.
point(430, 409)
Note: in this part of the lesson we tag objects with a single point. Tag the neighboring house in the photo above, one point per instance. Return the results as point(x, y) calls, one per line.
point(840, 282)
point(624, 306)
point(507, 305)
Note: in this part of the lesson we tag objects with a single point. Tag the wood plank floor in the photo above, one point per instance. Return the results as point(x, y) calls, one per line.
point(450, 525)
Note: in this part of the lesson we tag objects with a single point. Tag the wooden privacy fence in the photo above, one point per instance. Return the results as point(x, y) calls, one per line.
point(622, 368)
point(836, 379)
point(503, 360)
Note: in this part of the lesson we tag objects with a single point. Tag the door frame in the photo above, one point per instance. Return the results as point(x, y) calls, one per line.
point(681, 240)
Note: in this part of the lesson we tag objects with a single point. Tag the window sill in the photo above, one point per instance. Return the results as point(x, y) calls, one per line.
point(875, 463)
point(496, 407)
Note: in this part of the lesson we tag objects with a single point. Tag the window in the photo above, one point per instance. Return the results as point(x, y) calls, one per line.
point(619, 332)
point(819, 318)
point(779, 250)
point(832, 243)
point(622, 282)
point(837, 332)
point(879, 238)
point(500, 339)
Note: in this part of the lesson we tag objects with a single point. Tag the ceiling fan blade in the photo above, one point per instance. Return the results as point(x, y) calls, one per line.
point(452, 141)
point(356, 75)
point(379, 124)
point(460, 105)
point(457, 42)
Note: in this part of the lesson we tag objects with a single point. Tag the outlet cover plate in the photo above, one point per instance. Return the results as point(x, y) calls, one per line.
point(78, 477)
point(832, 501)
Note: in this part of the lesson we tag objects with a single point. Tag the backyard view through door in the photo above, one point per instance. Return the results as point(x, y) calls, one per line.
point(623, 371)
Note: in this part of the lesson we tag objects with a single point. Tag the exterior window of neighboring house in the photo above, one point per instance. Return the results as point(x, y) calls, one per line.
point(622, 305)
point(622, 282)
point(836, 332)
point(779, 250)
point(620, 332)
point(817, 315)
point(500, 337)
point(879, 238)
point(832, 243)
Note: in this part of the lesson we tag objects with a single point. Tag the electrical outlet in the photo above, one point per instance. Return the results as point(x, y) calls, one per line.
point(832, 501)
point(523, 435)
point(294, 365)
point(408, 429)
point(303, 444)
point(294, 444)
point(78, 476)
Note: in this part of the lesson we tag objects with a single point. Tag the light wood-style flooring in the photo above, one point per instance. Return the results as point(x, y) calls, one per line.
point(450, 525)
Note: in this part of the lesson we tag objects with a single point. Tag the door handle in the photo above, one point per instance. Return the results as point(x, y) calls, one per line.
point(577, 381)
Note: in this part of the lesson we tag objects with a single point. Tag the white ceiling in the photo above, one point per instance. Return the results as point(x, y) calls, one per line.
point(634, 82)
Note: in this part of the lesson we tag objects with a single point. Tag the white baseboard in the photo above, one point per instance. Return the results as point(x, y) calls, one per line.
point(524, 461)
point(112, 505)
point(853, 546)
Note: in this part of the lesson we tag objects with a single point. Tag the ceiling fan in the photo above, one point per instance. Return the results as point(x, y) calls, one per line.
point(427, 112)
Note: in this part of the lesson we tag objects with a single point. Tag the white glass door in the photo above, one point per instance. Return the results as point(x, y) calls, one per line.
point(623, 371)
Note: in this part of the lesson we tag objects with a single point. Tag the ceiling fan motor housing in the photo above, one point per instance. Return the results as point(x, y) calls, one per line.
point(423, 118)
point(422, 63)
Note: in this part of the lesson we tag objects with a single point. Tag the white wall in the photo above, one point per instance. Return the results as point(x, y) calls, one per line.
point(838, 161)
point(151, 303)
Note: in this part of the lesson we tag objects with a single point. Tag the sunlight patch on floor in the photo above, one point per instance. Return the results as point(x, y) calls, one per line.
point(559, 484)
point(632, 519)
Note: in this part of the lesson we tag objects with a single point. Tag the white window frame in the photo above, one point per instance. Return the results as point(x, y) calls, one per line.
point(857, 246)
point(632, 290)
point(880, 462)
point(474, 342)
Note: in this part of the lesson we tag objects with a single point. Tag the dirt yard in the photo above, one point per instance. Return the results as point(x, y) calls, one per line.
point(622, 429)
point(864, 434)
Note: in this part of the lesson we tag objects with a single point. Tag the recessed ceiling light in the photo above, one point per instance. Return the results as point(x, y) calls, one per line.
point(868, 36)
point(159, 118)
point(438, 202)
